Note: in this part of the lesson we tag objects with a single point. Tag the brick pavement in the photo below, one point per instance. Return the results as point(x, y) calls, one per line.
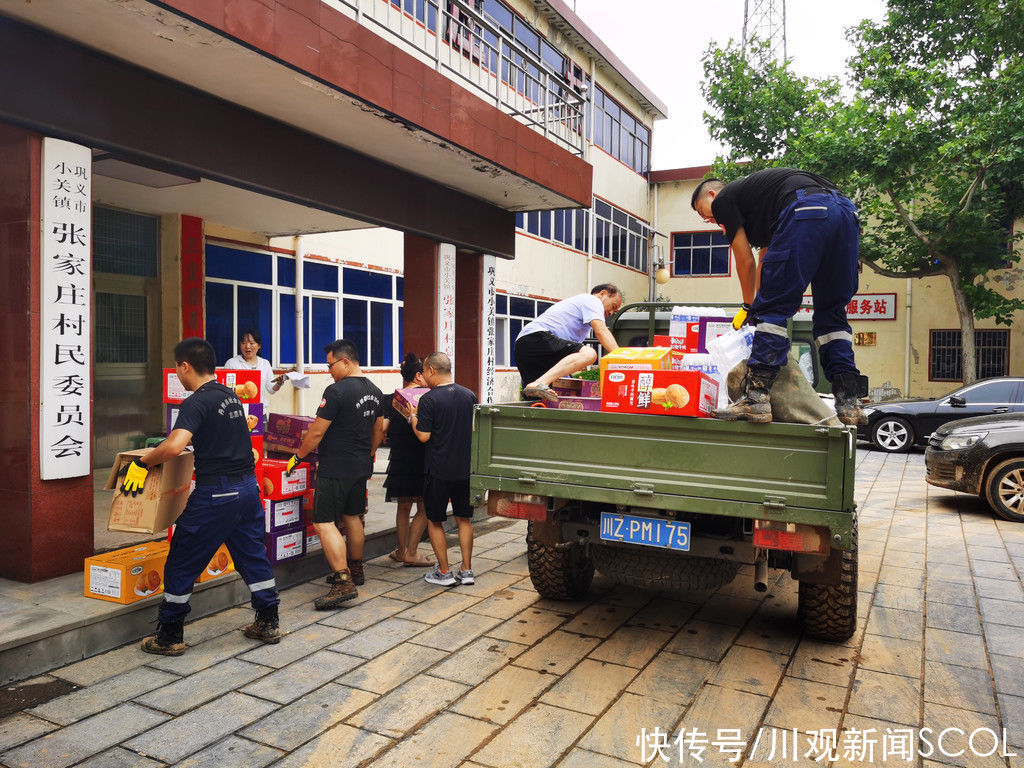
point(492, 676)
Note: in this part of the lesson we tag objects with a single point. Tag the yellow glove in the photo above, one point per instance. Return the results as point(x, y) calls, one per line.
point(293, 462)
point(134, 478)
point(741, 317)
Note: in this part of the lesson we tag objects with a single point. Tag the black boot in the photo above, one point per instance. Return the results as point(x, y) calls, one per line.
point(845, 388)
point(265, 627)
point(168, 640)
point(755, 404)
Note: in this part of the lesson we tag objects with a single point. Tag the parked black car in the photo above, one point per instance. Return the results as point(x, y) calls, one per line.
point(896, 425)
point(982, 455)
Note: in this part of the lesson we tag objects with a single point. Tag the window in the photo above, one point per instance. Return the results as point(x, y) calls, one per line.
point(620, 236)
point(125, 243)
point(700, 254)
point(568, 226)
point(944, 363)
point(619, 133)
point(511, 314)
point(992, 392)
point(120, 328)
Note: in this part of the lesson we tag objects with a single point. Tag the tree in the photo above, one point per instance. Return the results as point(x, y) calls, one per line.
point(925, 132)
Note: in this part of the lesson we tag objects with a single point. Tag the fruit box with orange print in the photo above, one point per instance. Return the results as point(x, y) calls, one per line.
point(220, 564)
point(127, 575)
point(162, 499)
point(246, 384)
point(277, 485)
point(664, 393)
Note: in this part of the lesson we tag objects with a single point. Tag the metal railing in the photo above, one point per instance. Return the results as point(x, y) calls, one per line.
point(463, 44)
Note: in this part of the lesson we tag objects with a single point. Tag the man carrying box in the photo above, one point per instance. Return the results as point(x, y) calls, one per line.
point(224, 508)
point(348, 429)
point(551, 346)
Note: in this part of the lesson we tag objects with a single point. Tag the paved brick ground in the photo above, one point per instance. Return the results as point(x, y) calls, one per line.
point(492, 676)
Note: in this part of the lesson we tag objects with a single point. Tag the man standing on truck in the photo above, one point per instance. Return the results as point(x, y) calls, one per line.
point(552, 345)
point(809, 233)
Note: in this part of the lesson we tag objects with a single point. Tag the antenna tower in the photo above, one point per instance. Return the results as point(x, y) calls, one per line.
point(765, 21)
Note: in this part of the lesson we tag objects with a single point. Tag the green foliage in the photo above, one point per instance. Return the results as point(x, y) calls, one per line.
point(925, 132)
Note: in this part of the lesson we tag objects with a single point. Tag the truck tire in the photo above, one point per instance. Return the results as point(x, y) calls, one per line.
point(652, 569)
point(559, 573)
point(827, 611)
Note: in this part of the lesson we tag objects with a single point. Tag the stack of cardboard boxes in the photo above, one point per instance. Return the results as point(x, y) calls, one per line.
point(283, 439)
point(283, 497)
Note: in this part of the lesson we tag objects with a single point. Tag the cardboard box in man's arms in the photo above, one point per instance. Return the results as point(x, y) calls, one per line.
point(162, 498)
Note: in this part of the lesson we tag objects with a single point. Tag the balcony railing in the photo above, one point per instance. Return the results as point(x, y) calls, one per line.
point(461, 43)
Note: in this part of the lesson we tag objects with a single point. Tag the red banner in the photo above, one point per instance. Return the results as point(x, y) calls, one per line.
point(192, 323)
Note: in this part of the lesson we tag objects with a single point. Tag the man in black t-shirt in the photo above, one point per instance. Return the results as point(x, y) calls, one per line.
point(225, 506)
point(444, 421)
point(810, 234)
point(348, 429)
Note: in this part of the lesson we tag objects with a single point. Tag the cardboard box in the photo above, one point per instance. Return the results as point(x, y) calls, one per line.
point(219, 564)
point(636, 359)
point(162, 499)
point(277, 486)
point(279, 514)
point(407, 400)
point(571, 387)
point(287, 425)
point(127, 575)
point(710, 328)
point(286, 545)
point(668, 393)
point(253, 417)
point(579, 403)
point(246, 384)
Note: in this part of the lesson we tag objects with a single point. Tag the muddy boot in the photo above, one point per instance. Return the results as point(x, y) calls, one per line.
point(168, 640)
point(755, 404)
point(343, 589)
point(265, 628)
point(355, 567)
point(845, 388)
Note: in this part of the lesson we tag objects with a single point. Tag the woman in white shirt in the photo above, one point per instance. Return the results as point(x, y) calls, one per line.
point(249, 345)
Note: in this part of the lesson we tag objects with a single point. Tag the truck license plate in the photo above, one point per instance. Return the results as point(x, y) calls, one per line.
point(649, 531)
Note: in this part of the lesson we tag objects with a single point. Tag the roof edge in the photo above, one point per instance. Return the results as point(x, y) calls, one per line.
point(692, 173)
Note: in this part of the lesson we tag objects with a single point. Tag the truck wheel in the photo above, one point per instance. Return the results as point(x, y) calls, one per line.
point(1004, 490)
point(560, 573)
point(829, 611)
point(651, 569)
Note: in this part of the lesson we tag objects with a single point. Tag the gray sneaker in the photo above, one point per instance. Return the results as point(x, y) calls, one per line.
point(441, 579)
point(466, 577)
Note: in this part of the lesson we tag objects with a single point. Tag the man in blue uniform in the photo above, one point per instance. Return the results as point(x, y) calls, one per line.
point(224, 507)
point(811, 235)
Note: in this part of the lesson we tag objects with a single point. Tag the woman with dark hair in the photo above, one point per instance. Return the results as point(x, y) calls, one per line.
point(249, 345)
point(404, 482)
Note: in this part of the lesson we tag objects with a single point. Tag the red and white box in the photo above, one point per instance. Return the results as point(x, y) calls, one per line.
point(286, 545)
point(277, 485)
point(279, 514)
point(253, 416)
point(665, 393)
point(246, 384)
point(678, 346)
point(407, 400)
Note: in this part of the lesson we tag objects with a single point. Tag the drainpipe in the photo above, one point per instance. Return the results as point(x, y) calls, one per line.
point(300, 335)
point(652, 286)
point(906, 350)
point(591, 223)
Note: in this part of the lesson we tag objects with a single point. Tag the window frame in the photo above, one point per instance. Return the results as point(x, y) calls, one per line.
point(713, 233)
point(958, 351)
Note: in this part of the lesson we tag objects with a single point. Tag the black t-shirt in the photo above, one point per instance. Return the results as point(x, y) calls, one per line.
point(755, 202)
point(446, 412)
point(352, 405)
point(406, 451)
point(220, 436)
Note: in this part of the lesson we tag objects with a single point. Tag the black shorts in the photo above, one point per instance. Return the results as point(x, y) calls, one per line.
point(437, 493)
point(334, 498)
point(538, 352)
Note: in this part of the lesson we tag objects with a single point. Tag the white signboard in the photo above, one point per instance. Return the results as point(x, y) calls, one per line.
point(65, 311)
point(863, 306)
point(446, 301)
point(488, 331)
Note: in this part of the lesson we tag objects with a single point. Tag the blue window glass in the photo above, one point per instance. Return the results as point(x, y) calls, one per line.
point(580, 236)
point(220, 319)
point(552, 56)
point(401, 334)
point(285, 272)
point(533, 222)
point(720, 261)
point(233, 264)
point(254, 311)
point(514, 327)
point(400, 288)
point(700, 238)
point(601, 208)
point(354, 318)
point(525, 35)
point(521, 307)
point(545, 224)
point(502, 308)
point(560, 225)
point(361, 282)
point(286, 314)
point(501, 15)
point(520, 220)
point(319, 277)
point(381, 334)
point(701, 261)
point(323, 328)
point(543, 306)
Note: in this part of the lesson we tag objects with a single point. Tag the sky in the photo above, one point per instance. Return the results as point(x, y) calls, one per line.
point(662, 41)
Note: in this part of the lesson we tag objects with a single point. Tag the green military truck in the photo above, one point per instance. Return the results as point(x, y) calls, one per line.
point(675, 503)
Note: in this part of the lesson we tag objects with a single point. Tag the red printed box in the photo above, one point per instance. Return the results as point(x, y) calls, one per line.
point(288, 425)
point(253, 417)
point(668, 393)
point(407, 400)
point(245, 383)
point(277, 485)
point(286, 545)
point(678, 346)
point(279, 514)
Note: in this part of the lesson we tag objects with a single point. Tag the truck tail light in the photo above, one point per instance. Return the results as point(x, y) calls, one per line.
point(520, 506)
point(792, 537)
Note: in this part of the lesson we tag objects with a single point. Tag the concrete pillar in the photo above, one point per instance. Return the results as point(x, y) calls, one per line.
point(469, 276)
point(420, 302)
point(46, 526)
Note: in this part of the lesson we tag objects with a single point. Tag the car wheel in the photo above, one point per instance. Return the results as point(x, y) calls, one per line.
point(892, 434)
point(1004, 490)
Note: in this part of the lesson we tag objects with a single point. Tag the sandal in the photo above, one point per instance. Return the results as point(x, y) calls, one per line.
point(424, 563)
point(393, 554)
point(541, 392)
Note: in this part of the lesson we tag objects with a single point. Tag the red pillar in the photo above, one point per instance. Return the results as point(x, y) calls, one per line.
point(420, 302)
point(468, 308)
point(46, 526)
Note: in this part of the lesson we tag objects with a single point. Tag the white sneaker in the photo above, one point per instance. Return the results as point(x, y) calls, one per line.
point(441, 579)
point(466, 577)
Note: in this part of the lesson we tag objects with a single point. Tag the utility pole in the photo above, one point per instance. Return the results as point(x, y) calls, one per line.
point(764, 21)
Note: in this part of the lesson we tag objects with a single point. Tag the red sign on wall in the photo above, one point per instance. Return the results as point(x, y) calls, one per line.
point(192, 277)
point(864, 306)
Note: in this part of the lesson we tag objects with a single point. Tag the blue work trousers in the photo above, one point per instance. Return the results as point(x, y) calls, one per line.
point(816, 242)
point(227, 511)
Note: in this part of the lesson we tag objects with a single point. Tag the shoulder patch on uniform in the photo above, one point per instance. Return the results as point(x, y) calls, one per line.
point(323, 402)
